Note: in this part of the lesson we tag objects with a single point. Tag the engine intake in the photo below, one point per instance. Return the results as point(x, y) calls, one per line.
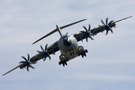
point(82, 51)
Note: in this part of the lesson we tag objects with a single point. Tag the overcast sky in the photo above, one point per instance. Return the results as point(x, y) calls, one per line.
point(110, 61)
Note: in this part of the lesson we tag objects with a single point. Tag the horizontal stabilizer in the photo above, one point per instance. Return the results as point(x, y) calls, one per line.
point(60, 28)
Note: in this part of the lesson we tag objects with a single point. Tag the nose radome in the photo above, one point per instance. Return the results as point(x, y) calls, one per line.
point(67, 42)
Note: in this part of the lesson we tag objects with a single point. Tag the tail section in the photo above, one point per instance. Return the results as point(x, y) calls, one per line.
point(58, 29)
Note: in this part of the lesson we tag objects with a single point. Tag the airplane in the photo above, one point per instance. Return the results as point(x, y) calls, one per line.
point(67, 44)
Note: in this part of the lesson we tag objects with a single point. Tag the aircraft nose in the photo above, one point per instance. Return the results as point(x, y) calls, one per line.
point(67, 42)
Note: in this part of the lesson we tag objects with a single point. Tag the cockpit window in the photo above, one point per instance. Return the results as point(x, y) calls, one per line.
point(65, 36)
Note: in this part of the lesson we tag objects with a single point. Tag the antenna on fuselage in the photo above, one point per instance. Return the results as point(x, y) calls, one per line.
point(58, 29)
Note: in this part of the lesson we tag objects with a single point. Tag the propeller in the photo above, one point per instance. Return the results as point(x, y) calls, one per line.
point(26, 63)
point(108, 26)
point(44, 52)
point(88, 34)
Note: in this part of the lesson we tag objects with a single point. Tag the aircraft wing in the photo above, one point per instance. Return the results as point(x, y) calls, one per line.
point(84, 35)
point(50, 50)
point(53, 48)
point(13, 69)
point(88, 33)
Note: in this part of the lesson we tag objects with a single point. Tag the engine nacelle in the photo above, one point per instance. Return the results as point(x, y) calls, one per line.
point(63, 57)
point(82, 51)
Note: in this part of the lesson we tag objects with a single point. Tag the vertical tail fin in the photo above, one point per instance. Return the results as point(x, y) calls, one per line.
point(58, 29)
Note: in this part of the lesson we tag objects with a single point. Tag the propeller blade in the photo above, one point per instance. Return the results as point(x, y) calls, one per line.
point(22, 62)
point(39, 51)
point(42, 48)
point(87, 39)
point(89, 27)
point(32, 67)
point(122, 19)
point(107, 31)
point(111, 30)
point(60, 28)
point(85, 28)
point(26, 63)
point(102, 22)
point(44, 52)
point(24, 58)
point(110, 22)
point(28, 57)
point(106, 21)
point(44, 59)
point(46, 47)
point(28, 68)
point(91, 37)
point(87, 31)
point(49, 57)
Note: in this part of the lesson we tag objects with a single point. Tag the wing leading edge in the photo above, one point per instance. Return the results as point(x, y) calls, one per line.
point(65, 26)
point(92, 32)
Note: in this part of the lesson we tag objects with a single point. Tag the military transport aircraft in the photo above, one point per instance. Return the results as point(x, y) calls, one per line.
point(67, 44)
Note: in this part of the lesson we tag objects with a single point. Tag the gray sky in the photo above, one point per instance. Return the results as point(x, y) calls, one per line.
point(109, 65)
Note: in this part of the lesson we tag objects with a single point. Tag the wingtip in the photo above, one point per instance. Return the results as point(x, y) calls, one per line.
point(129, 16)
point(4, 74)
point(122, 19)
point(34, 42)
point(12, 70)
point(84, 19)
